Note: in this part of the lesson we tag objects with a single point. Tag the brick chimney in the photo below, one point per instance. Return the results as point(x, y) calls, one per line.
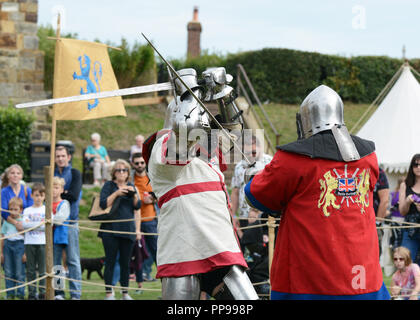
point(194, 31)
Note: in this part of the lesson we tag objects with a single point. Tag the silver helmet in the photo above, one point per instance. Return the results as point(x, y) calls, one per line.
point(322, 110)
point(216, 82)
point(189, 76)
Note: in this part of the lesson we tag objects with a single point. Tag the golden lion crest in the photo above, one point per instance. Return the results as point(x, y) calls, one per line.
point(327, 197)
point(363, 190)
point(329, 194)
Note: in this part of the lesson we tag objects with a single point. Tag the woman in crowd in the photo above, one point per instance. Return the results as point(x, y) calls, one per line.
point(13, 186)
point(409, 207)
point(405, 283)
point(128, 208)
point(98, 158)
point(395, 198)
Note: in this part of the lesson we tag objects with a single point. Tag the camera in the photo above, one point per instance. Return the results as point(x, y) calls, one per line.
point(130, 193)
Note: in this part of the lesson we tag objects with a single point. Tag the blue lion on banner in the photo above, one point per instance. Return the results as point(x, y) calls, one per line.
point(84, 75)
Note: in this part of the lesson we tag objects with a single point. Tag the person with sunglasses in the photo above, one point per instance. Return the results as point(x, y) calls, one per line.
point(123, 242)
point(405, 282)
point(409, 206)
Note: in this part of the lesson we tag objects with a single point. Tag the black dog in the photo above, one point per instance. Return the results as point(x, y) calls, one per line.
point(91, 265)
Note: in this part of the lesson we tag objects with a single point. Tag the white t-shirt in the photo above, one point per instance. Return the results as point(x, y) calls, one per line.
point(238, 181)
point(33, 216)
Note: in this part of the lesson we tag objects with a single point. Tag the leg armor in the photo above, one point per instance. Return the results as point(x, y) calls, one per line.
point(181, 288)
point(236, 286)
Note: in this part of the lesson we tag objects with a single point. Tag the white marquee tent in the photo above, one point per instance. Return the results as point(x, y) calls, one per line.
point(395, 125)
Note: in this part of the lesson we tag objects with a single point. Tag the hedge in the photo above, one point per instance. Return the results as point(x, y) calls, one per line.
point(287, 76)
point(15, 137)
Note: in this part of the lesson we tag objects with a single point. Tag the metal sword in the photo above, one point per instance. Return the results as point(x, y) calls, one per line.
point(105, 94)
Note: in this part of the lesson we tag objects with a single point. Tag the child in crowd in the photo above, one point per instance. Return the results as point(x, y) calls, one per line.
point(13, 256)
point(61, 211)
point(405, 283)
point(35, 241)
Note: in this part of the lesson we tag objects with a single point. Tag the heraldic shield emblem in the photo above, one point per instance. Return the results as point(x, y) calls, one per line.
point(341, 189)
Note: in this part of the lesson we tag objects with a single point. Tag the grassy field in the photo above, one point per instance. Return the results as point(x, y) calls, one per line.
point(116, 132)
point(119, 133)
point(283, 118)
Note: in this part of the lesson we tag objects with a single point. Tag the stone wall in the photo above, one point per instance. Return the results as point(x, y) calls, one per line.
point(21, 63)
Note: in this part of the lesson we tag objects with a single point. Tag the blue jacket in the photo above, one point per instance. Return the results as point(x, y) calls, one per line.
point(72, 189)
point(7, 194)
point(61, 232)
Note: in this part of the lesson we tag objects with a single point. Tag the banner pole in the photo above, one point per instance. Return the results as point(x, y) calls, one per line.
point(48, 214)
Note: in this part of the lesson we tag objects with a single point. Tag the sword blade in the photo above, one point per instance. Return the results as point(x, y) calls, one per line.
point(100, 95)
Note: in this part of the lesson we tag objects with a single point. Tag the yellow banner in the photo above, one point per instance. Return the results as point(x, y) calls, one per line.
point(83, 67)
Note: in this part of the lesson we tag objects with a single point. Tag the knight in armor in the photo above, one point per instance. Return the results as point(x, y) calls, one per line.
point(322, 184)
point(198, 249)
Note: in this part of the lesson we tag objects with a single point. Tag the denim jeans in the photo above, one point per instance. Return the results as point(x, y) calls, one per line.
point(14, 269)
point(116, 276)
point(411, 244)
point(72, 261)
point(58, 259)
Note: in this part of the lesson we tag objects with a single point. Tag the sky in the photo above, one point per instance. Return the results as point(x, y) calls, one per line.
point(341, 27)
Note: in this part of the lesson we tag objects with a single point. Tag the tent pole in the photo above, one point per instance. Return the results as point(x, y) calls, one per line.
point(380, 95)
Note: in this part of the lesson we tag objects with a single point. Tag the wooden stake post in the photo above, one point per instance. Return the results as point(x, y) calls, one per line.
point(49, 291)
point(271, 237)
point(49, 175)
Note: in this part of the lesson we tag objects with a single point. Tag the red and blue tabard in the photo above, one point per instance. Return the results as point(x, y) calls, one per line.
point(327, 244)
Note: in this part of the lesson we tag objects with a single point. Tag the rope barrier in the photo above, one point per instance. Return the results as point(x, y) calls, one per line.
point(22, 232)
point(25, 284)
point(31, 284)
point(399, 295)
point(239, 218)
point(104, 230)
point(44, 287)
point(402, 223)
point(260, 225)
point(110, 221)
point(102, 285)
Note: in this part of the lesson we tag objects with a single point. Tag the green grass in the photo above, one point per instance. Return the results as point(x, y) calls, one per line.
point(116, 132)
point(283, 118)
